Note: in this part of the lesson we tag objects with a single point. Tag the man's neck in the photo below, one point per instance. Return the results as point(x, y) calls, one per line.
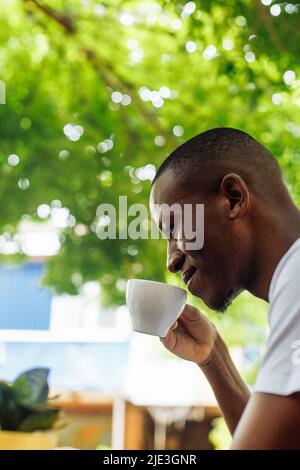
point(272, 241)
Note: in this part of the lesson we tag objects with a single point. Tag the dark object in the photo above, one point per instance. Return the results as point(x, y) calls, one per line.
point(24, 403)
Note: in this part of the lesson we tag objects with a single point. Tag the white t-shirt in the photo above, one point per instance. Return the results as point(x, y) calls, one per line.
point(280, 367)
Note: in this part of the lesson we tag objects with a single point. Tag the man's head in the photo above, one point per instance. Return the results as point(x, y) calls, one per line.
point(240, 184)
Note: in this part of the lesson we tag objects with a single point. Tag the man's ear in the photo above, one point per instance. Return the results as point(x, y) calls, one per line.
point(236, 191)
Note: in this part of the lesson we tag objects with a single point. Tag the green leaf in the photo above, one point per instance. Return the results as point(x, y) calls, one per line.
point(10, 413)
point(31, 387)
point(42, 420)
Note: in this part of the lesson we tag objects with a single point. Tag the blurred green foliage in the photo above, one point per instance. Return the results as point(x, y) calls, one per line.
point(220, 435)
point(231, 63)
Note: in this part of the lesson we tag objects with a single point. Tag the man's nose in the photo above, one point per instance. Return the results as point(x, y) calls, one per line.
point(175, 258)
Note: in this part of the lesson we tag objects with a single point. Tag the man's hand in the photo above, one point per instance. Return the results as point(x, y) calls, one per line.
point(195, 338)
point(192, 336)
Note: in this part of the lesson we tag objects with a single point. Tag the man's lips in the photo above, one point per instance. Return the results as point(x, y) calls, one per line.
point(186, 275)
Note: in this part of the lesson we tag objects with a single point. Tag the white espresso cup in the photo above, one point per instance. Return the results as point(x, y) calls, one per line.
point(154, 306)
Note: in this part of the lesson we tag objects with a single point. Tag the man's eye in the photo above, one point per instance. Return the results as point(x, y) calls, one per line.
point(168, 231)
point(174, 234)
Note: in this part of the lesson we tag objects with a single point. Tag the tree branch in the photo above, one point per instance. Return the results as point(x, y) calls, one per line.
point(266, 20)
point(105, 70)
point(64, 20)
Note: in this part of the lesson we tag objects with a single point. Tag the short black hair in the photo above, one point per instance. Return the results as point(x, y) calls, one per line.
point(216, 151)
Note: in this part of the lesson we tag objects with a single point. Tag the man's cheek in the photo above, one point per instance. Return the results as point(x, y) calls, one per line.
point(193, 227)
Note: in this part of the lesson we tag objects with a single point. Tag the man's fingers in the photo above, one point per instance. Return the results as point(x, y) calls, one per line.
point(172, 327)
point(169, 340)
point(190, 313)
point(174, 335)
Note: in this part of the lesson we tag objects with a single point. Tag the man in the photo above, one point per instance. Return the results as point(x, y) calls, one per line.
point(251, 242)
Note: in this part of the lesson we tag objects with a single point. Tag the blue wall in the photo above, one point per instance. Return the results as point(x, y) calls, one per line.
point(24, 304)
point(74, 366)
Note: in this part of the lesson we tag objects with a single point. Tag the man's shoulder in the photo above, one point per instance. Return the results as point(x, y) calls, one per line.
point(286, 278)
